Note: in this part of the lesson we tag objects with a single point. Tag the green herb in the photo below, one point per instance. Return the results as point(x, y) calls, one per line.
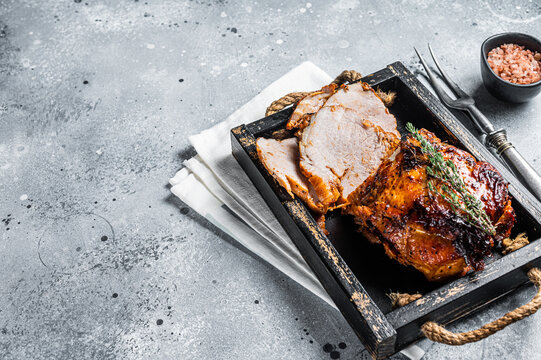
point(453, 190)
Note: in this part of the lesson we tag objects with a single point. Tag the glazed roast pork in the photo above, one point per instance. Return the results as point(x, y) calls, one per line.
point(418, 227)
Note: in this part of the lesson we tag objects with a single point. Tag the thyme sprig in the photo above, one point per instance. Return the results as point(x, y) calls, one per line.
point(453, 190)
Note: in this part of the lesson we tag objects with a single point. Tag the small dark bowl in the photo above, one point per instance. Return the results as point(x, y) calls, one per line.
point(499, 87)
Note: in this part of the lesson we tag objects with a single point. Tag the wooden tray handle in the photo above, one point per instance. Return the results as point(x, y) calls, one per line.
point(437, 333)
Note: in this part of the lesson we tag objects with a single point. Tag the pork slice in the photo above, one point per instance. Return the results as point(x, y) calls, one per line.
point(281, 159)
point(309, 105)
point(364, 101)
point(345, 142)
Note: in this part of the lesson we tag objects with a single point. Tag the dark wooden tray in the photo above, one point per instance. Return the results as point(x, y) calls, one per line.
point(358, 275)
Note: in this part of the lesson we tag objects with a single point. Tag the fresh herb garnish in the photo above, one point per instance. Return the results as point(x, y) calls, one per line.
point(453, 190)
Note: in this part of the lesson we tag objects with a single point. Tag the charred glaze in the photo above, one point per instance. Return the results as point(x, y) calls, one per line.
point(418, 227)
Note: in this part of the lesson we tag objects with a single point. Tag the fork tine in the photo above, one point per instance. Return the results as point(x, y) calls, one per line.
point(458, 91)
point(441, 93)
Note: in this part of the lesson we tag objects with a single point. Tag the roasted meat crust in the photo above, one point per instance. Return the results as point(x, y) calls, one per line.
point(419, 228)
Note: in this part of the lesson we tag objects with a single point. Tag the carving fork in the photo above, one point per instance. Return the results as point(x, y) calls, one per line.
point(496, 139)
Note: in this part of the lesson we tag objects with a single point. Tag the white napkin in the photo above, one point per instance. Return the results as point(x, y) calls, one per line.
point(216, 179)
point(213, 184)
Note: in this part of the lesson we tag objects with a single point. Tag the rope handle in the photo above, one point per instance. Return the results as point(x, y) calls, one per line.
point(437, 333)
point(291, 98)
point(284, 101)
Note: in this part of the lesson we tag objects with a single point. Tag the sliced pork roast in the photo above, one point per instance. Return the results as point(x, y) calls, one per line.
point(347, 133)
point(363, 101)
point(310, 104)
point(281, 159)
point(345, 142)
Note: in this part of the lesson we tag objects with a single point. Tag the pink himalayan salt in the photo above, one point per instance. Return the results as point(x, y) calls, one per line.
point(513, 63)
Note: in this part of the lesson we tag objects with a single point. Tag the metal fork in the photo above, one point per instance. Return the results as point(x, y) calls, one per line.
point(496, 139)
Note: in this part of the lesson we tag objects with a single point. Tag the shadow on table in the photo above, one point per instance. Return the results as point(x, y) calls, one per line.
point(493, 107)
point(186, 154)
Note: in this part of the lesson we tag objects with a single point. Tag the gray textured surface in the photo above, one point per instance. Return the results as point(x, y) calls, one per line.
point(79, 161)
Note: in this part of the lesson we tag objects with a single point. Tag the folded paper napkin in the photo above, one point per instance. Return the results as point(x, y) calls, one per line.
point(214, 185)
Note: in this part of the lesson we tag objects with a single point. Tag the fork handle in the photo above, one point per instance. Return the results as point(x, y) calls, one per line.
point(522, 169)
point(480, 120)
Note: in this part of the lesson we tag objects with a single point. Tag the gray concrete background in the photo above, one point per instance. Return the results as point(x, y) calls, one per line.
point(98, 260)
